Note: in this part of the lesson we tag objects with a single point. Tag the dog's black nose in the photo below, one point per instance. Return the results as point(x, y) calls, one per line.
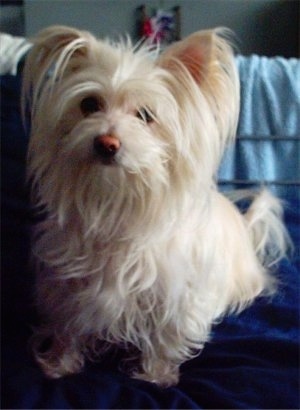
point(106, 146)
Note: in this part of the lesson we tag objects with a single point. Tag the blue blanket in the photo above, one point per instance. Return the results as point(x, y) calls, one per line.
point(252, 360)
point(267, 150)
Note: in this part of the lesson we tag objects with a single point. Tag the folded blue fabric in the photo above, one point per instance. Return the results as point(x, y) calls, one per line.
point(270, 96)
point(268, 137)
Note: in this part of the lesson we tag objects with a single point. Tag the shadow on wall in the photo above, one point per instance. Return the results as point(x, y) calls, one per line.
point(280, 30)
point(12, 18)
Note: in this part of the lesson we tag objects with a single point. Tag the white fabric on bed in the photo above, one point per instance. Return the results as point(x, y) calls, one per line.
point(12, 50)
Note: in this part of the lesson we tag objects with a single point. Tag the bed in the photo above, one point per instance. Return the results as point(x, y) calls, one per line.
point(252, 360)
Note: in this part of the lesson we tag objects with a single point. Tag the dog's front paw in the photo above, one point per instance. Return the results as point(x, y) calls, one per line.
point(166, 380)
point(55, 366)
point(59, 359)
point(161, 373)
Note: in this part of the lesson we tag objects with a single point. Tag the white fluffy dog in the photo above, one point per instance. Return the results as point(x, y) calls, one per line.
point(137, 247)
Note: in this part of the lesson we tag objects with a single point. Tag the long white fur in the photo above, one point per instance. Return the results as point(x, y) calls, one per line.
point(145, 252)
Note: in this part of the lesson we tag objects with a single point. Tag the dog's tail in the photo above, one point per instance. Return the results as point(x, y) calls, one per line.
point(264, 219)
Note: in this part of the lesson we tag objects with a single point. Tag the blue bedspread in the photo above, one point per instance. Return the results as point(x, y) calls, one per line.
point(252, 360)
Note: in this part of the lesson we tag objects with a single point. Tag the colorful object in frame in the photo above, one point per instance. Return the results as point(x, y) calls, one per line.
point(163, 27)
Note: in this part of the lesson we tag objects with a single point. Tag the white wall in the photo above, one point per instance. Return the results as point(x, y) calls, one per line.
point(262, 26)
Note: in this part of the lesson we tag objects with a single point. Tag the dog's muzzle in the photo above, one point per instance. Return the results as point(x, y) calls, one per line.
point(106, 147)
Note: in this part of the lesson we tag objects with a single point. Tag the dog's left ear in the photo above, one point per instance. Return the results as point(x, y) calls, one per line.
point(202, 54)
point(195, 53)
point(207, 57)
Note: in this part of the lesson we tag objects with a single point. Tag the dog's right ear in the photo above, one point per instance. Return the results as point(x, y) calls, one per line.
point(56, 51)
point(53, 39)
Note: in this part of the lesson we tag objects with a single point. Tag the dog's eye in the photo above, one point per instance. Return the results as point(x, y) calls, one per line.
point(145, 115)
point(89, 105)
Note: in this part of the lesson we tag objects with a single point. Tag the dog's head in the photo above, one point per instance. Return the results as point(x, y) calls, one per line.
point(109, 119)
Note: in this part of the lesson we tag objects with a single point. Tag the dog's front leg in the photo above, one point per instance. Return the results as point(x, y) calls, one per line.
point(57, 354)
point(160, 360)
point(162, 371)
